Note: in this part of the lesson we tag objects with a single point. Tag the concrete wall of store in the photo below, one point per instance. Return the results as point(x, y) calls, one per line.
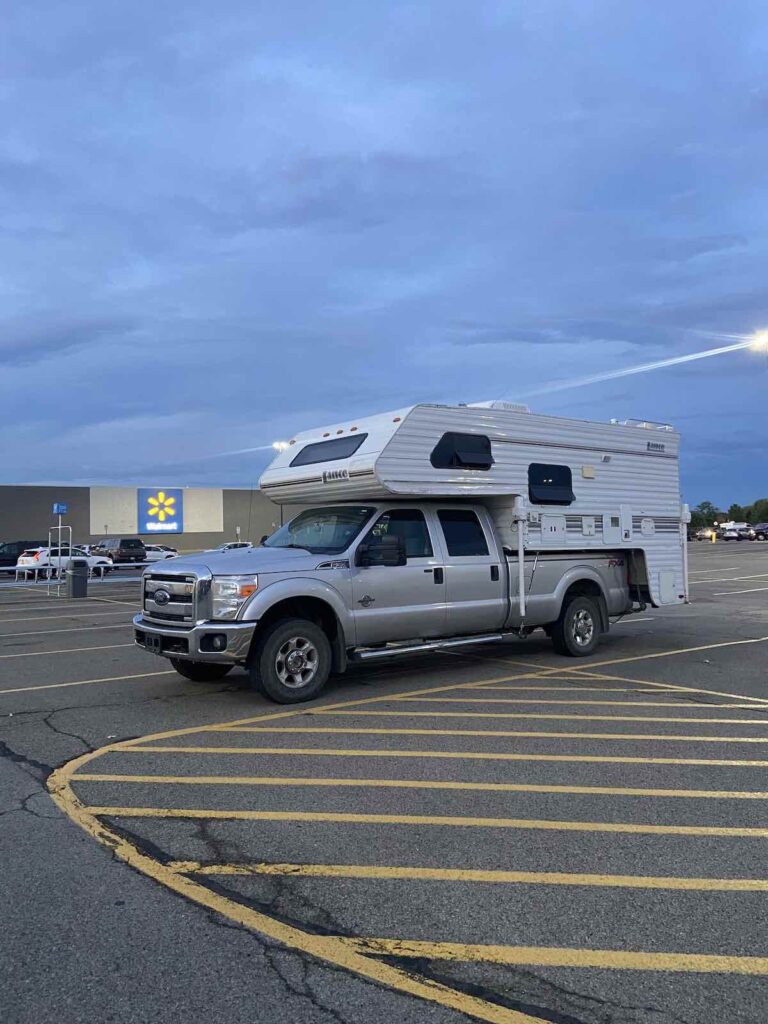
point(26, 514)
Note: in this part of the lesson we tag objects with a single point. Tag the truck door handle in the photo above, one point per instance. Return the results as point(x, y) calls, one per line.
point(437, 573)
point(495, 573)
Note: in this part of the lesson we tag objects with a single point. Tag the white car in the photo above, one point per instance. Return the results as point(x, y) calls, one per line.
point(233, 545)
point(49, 559)
point(157, 552)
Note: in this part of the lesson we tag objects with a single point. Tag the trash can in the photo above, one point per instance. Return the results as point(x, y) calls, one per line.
point(77, 578)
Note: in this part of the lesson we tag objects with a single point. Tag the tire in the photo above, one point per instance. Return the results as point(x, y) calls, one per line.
point(200, 671)
point(304, 676)
point(760, 536)
point(576, 633)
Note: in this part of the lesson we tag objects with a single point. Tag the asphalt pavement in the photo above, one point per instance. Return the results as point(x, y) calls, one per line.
point(501, 835)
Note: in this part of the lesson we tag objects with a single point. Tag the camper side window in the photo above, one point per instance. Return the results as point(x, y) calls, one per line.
point(328, 451)
point(550, 485)
point(462, 451)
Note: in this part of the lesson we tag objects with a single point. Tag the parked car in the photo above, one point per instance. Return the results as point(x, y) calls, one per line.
point(11, 549)
point(233, 545)
point(705, 533)
point(122, 550)
point(740, 531)
point(51, 559)
point(761, 531)
point(157, 552)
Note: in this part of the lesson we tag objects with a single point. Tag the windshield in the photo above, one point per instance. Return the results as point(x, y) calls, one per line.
point(323, 531)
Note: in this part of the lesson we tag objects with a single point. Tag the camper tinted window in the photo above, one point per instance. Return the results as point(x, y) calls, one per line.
point(328, 451)
point(462, 451)
point(463, 532)
point(550, 485)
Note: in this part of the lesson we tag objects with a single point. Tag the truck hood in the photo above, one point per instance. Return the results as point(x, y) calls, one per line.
point(245, 561)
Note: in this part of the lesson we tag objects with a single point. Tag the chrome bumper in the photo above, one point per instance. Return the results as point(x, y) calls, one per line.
point(195, 644)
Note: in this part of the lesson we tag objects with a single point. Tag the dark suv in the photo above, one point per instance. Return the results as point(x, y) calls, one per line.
point(761, 531)
point(11, 549)
point(122, 550)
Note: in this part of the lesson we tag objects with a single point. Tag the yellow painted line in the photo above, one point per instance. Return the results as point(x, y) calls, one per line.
point(519, 734)
point(72, 629)
point(575, 687)
point(529, 715)
point(680, 650)
point(475, 875)
point(326, 948)
point(521, 715)
point(80, 613)
point(586, 703)
point(485, 787)
point(453, 821)
point(556, 956)
point(66, 650)
point(133, 746)
point(88, 682)
point(756, 702)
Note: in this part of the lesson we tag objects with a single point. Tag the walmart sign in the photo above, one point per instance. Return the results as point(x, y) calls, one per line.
point(161, 511)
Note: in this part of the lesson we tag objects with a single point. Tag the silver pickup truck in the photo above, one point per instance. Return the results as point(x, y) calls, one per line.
point(354, 581)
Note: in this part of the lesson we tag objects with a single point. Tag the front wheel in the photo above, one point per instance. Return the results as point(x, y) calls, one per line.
point(200, 671)
point(292, 661)
point(577, 630)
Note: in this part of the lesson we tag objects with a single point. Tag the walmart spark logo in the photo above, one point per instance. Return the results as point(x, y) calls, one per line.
point(163, 506)
point(160, 510)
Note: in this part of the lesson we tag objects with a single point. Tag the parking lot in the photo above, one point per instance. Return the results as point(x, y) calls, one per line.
point(501, 835)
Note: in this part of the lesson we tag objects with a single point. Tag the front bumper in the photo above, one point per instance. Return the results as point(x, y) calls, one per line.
point(196, 643)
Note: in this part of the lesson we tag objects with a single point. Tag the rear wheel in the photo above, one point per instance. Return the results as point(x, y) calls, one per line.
point(577, 630)
point(200, 671)
point(292, 661)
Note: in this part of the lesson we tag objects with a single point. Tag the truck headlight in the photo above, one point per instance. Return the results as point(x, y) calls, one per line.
point(230, 594)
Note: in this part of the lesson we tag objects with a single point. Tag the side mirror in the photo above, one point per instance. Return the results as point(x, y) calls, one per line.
point(265, 537)
point(382, 551)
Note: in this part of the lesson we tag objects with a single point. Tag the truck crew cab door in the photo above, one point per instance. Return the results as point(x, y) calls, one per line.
point(475, 577)
point(404, 602)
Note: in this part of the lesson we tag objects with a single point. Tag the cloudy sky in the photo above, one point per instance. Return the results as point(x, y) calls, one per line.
point(223, 223)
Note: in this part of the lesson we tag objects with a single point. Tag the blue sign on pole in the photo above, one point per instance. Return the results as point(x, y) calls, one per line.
point(161, 510)
point(59, 508)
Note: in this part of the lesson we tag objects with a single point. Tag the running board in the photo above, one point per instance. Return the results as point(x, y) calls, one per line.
point(367, 654)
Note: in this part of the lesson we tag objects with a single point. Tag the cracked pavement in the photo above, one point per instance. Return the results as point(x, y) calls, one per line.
point(88, 939)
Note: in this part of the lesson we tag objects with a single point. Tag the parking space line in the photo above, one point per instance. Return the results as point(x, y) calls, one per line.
point(68, 650)
point(730, 579)
point(474, 875)
point(557, 956)
point(573, 688)
point(132, 747)
point(725, 568)
point(680, 650)
point(728, 593)
point(585, 703)
point(449, 821)
point(484, 787)
point(73, 629)
point(87, 682)
point(62, 615)
point(529, 715)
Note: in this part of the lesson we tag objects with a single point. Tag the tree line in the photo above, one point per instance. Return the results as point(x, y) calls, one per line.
point(707, 514)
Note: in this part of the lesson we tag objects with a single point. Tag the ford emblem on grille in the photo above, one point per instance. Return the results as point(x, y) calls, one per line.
point(161, 597)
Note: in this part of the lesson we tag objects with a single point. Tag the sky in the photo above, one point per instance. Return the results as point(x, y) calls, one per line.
point(221, 224)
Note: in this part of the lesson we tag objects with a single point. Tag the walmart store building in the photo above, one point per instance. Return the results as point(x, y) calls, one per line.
point(187, 518)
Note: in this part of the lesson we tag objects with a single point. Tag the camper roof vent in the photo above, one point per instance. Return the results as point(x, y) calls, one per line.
point(646, 425)
point(505, 406)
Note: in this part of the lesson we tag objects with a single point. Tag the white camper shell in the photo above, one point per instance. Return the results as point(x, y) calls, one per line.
point(575, 485)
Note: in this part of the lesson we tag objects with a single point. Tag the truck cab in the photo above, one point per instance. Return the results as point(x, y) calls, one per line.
point(366, 580)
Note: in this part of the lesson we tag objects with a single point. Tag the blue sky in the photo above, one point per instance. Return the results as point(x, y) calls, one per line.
point(222, 224)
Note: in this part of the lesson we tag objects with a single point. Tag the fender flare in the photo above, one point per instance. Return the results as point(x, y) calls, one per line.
point(580, 574)
point(298, 587)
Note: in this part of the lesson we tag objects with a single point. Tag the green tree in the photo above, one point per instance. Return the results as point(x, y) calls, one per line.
point(758, 511)
point(704, 514)
point(737, 513)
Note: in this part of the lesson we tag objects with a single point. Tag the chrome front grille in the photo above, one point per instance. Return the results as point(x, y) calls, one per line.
point(169, 598)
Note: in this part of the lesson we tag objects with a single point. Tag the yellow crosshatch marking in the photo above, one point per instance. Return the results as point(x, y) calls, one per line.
point(362, 954)
point(162, 506)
